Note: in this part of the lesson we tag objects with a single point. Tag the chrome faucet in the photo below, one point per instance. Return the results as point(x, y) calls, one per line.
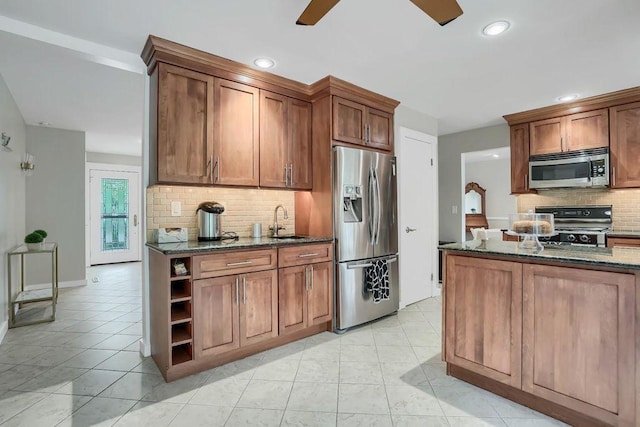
point(276, 227)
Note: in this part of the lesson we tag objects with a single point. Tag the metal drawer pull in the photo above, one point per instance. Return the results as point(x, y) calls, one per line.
point(234, 264)
point(237, 287)
point(311, 274)
point(355, 266)
point(244, 290)
point(307, 255)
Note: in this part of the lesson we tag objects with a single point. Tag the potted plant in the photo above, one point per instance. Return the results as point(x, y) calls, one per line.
point(34, 241)
point(43, 233)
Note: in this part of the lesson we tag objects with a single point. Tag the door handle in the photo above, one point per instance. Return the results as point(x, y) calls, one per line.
point(286, 176)
point(235, 264)
point(311, 275)
point(291, 174)
point(356, 266)
point(135, 220)
point(306, 278)
point(210, 164)
point(244, 290)
point(307, 255)
point(237, 291)
point(409, 230)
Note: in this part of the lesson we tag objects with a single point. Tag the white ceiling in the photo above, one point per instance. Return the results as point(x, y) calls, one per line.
point(54, 61)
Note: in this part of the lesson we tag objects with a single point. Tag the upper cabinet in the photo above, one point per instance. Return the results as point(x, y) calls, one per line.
point(520, 159)
point(285, 142)
point(570, 133)
point(356, 123)
point(236, 134)
point(610, 120)
point(184, 125)
point(625, 146)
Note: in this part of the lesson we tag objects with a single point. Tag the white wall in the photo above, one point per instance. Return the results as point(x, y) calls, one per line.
point(12, 192)
point(495, 177)
point(412, 119)
point(56, 199)
point(450, 147)
point(114, 159)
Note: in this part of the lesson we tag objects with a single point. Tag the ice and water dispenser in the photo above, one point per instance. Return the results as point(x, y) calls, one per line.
point(352, 203)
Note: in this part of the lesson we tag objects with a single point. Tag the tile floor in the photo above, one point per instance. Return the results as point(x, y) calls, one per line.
point(84, 369)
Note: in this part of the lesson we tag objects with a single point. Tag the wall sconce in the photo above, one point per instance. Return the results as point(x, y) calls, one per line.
point(4, 142)
point(28, 164)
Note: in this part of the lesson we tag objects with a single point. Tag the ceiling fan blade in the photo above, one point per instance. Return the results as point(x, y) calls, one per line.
point(315, 11)
point(442, 11)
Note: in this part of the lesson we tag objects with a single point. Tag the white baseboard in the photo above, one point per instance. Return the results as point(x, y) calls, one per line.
point(67, 284)
point(145, 350)
point(4, 327)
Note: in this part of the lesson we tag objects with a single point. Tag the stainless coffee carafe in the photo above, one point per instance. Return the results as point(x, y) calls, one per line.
point(209, 221)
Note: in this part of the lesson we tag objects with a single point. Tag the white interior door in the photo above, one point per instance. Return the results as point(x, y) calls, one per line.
point(418, 204)
point(114, 216)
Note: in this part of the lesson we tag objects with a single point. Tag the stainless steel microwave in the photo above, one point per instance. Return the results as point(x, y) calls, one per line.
point(586, 168)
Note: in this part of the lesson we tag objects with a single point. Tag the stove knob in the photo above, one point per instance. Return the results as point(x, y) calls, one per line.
point(584, 238)
point(600, 169)
point(586, 213)
point(571, 238)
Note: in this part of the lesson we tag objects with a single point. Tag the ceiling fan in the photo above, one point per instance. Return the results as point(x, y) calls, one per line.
point(442, 11)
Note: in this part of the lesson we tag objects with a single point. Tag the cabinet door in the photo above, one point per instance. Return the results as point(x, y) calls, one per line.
point(625, 146)
point(348, 121)
point(258, 306)
point(623, 242)
point(587, 130)
point(483, 328)
point(547, 136)
point(301, 170)
point(236, 137)
point(380, 129)
point(274, 137)
point(520, 159)
point(292, 298)
point(320, 293)
point(216, 326)
point(185, 125)
point(578, 337)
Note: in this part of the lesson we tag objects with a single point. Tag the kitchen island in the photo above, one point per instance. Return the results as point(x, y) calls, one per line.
point(555, 330)
point(215, 302)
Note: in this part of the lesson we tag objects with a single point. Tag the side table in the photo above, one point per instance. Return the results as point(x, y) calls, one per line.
point(32, 295)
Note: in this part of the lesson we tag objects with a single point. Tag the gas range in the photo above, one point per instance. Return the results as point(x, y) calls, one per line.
point(578, 225)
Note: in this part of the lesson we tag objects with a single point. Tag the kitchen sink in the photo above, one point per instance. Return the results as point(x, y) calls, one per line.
point(290, 236)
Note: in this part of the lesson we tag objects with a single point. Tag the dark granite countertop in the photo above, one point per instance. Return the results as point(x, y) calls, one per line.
point(241, 243)
point(624, 233)
point(609, 257)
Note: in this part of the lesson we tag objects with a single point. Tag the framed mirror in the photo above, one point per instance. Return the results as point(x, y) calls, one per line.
point(474, 206)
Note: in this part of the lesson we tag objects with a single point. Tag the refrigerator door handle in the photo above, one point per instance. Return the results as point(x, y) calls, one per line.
point(371, 205)
point(377, 206)
point(355, 266)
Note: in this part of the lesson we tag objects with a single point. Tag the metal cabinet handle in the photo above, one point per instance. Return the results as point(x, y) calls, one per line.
point(244, 290)
point(356, 266)
point(307, 255)
point(234, 264)
point(237, 291)
point(286, 176)
point(306, 278)
point(311, 275)
point(210, 166)
point(218, 170)
point(135, 220)
point(409, 230)
point(291, 174)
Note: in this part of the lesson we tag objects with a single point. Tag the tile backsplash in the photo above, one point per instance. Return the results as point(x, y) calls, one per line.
point(626, 203)
point(243, 208)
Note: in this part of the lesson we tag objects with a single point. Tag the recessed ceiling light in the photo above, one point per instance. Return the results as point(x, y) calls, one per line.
point(568, 98)
point(44, 123)
point(496, 28)
point(264, 62)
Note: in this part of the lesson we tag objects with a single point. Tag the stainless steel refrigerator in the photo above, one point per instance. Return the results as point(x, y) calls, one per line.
point(365, 230)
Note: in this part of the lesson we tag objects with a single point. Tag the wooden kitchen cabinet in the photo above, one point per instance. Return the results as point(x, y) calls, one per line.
point(578, 340)
point(236, 134)
point(574, 132)
point(305, 286)
point(520, 159)
point(285, 142)
point(356, 123)
point(625, 146)
point(483, 317)
point(624, 242)
point(258, 306)
point(217, 315)
point(184, 125)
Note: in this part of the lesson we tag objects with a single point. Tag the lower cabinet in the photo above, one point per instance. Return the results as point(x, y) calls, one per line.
point(234, 311)
point(305, 296)
point(562, 334)
point(484, 317)
point(578, 336)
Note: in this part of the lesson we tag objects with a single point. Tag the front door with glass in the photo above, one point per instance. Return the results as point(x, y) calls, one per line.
point(114, 216)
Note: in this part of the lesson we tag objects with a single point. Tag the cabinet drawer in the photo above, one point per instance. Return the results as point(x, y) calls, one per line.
point(304, 254)
point(233, 262)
